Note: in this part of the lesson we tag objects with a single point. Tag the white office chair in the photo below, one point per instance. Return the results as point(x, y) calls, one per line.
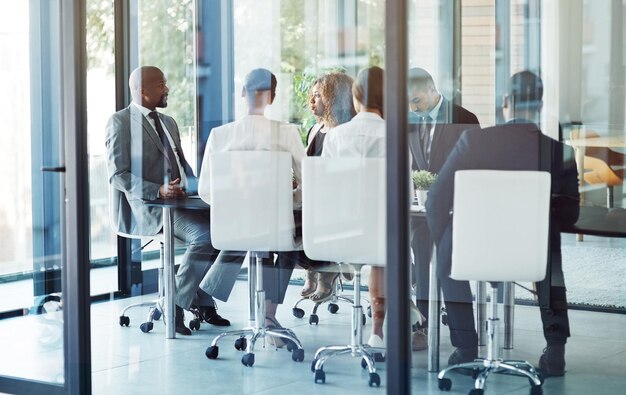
point(349, 228)
point(499, 234)
point(252, 210)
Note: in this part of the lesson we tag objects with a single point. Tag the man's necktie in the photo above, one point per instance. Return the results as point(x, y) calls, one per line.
point(425, 135)
point(173, 167)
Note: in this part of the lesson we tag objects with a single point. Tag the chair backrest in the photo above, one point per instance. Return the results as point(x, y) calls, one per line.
point(252, 201)
point(500, 225)
point(344, 215)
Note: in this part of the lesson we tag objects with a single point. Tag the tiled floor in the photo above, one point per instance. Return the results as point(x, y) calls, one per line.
point(126, 361)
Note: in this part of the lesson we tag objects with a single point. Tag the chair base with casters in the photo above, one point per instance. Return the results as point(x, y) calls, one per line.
point(258, 329)
point(356, 348)
point(493, 363)
point(156, 305)
point(156, 310)
point(333, 307)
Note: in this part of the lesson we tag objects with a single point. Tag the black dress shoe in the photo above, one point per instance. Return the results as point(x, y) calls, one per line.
point(552, 361)
point(463, 355)
point(180, 322)
point(209, 314)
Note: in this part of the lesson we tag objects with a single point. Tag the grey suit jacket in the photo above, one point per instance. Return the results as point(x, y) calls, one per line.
point(137, 165)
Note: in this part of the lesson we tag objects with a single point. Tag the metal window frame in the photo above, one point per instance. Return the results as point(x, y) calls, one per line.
point(398, 275)
point(75, 251)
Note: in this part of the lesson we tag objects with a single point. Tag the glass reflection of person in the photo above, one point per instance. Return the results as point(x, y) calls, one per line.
point(517, 145)
point(435, 124)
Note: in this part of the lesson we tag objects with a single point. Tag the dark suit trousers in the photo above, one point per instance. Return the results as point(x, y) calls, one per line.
point(552, 297)
point(422, 249)
point(457, 296)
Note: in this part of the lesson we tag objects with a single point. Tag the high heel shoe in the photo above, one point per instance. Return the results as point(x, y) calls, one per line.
point(275, 341)
point(417, 318)
point(310, 284)
point(326, 282)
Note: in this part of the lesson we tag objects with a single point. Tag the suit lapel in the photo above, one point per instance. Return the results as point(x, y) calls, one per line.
point(416, 148)
point(444, 117)
point(138, 119)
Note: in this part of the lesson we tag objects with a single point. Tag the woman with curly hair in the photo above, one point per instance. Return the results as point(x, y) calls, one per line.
point(331, 103)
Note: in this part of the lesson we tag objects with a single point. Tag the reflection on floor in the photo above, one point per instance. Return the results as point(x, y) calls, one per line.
point(128, 361)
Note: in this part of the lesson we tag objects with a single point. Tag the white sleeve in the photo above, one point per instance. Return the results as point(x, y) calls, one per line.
point(329, 149)
point(204, 178)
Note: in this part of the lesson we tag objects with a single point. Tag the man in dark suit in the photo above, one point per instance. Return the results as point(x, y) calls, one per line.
point(435, 124)
point(145, 161)
point(517, 145)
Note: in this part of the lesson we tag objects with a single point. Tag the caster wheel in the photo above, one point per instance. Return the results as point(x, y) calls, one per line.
point(333, 308)
point(124, 320)
point(291, 346)
point(363, 363)
point(541, 380)
point(146, 327)
point(374, 380)
point(212, 352)
point(313, 363)
point(314, 319)
point(241, 344)
point(369, 311)
point(477, 391)
point(320, 377)
point(156, 315)
point(379, 357)
point(536, 390)
point(297, 355)
point(247, 359)
point(445, 384)
point(194, 325)
point(297, 312)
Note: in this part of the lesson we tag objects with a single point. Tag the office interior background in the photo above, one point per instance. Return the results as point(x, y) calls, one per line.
point(64, 70)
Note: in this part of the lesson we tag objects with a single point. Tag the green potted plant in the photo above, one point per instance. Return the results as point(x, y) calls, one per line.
point(422, 180)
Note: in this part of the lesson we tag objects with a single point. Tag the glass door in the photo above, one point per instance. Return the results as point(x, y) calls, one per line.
point(32, 215)
point(43, 299)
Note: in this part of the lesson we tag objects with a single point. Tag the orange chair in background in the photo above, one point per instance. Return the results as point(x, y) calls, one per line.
point(602, 166)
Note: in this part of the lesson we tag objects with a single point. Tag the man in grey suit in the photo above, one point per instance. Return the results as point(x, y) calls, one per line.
point(145, 161)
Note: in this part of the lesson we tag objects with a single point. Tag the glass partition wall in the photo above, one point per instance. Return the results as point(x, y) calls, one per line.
point(206, 49)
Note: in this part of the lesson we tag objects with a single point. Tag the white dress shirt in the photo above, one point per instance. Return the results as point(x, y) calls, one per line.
point(181, 169)
point(251, 133)
point(363, 136)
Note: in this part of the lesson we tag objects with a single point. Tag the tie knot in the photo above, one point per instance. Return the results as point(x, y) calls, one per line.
point(154, 115)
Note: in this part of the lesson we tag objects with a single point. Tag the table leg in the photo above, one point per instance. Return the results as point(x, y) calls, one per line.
point(168, 274)
point(509, 314)
point(481, 312)
point(580, 164)
point(434, 307)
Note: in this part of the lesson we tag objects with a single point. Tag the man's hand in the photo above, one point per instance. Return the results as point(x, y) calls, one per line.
point(172, 190)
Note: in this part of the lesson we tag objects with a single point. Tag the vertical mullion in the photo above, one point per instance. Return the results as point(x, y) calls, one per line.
point(398, 336)
point(76, 300)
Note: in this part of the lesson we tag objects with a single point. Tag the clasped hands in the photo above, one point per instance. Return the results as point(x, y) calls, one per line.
point(172, 190)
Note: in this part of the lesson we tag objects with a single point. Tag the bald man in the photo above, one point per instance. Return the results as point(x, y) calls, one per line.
point(145, 161)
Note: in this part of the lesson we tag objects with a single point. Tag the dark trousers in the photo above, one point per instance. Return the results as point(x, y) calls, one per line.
point(422, 247)
point(458, 299)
